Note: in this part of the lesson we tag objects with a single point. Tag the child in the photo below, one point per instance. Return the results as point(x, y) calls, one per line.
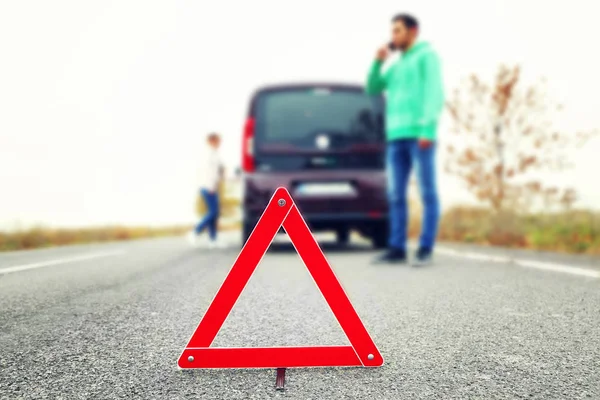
point(210, 181)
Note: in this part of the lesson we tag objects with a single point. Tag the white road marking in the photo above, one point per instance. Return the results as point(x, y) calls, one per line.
point(474, 256)
point(559, 268)
point(566, 269)
point(89, 256)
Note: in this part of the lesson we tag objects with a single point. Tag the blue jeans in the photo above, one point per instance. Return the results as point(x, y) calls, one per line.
point(401, 156)
point(212, 214)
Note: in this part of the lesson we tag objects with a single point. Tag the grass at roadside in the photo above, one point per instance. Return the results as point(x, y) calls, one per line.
point(571, 232)
point(44, 237)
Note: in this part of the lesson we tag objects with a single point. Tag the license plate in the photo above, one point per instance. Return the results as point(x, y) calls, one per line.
point(326, 189)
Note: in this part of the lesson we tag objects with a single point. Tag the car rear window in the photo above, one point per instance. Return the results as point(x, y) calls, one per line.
point(297, 116)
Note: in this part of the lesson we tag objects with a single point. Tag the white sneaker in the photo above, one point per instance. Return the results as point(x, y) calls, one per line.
point(192, 238)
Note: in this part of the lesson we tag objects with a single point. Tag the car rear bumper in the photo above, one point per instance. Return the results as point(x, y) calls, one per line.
point(364, 222)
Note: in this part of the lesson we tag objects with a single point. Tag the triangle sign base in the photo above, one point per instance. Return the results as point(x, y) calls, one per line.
point(281, 211)
point(271, 357)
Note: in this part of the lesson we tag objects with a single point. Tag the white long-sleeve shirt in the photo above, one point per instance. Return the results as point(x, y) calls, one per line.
point(211, 172)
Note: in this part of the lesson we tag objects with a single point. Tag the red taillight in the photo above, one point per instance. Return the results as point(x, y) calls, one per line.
point(248, 146)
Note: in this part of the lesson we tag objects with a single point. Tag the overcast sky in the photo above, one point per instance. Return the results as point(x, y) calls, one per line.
point(104, 104)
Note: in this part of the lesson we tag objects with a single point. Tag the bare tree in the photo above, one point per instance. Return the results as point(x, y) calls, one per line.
point(505, 135)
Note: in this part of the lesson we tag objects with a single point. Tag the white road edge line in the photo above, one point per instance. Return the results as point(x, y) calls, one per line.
point(559, 268)
point(48, 263)
point(523, 263)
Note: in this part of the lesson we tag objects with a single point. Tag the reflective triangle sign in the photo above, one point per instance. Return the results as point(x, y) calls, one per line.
point(281, 211)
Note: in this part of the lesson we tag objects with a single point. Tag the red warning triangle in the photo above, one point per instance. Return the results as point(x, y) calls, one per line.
point(281, 211)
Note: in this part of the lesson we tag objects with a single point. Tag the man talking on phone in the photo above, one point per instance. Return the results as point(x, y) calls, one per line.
point(415, 100)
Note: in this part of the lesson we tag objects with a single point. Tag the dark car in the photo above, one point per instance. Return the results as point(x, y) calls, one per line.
point(324, 143)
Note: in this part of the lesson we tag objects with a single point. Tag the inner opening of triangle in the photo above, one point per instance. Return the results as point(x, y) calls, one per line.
point(281, 306)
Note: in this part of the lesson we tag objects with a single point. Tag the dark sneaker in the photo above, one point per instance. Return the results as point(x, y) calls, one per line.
point(423, 257)
point(392, 256)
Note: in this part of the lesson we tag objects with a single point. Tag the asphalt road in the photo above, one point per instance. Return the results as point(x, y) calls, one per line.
point(110, 321)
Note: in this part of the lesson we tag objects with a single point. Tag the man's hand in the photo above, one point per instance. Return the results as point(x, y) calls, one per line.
point(425, 144)
point(382, 53)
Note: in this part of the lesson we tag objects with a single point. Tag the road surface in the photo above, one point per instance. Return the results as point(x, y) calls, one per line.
point(110, 321)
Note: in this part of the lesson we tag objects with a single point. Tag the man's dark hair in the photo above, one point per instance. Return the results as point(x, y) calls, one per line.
point(408, 20)
point(213, 136)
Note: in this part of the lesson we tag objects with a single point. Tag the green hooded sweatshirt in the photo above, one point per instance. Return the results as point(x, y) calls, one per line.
point(414, 93)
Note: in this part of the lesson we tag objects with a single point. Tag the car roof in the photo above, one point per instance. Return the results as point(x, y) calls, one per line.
point(308, 85)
